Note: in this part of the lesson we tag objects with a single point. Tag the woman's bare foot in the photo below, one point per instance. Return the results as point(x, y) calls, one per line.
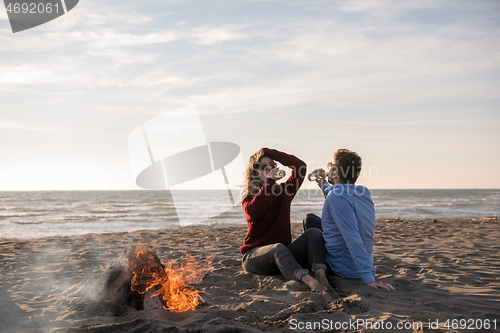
point(312, 283)
point(320, 275)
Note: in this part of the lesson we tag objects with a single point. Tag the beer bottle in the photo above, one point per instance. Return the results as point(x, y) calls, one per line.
point(280, 174)
point(316, 175)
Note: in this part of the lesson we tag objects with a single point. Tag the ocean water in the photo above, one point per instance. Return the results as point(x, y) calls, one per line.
point(28, 214)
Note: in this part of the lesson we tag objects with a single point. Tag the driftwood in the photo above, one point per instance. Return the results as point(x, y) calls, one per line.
point(115, 284)
point(122, 279)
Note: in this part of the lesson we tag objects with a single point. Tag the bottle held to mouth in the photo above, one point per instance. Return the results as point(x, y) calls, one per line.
point(279, 174)
point(316, 175)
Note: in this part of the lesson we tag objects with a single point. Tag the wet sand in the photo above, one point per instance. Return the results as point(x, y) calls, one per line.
point(443, 270)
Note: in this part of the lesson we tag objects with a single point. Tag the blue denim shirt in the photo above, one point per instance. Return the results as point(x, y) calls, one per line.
point(348, 223)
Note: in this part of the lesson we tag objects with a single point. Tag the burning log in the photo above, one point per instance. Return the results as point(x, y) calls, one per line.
point(149, 284)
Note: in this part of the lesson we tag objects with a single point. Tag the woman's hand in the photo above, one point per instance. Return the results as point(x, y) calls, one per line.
point(270, 173)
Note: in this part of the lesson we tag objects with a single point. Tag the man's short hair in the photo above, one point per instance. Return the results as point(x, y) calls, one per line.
point(348, 165)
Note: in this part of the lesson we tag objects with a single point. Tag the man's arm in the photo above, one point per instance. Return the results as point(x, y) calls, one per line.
point(323, 183)
point(326, 188)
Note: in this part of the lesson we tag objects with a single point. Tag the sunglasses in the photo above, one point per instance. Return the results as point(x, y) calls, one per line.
point(264, 166)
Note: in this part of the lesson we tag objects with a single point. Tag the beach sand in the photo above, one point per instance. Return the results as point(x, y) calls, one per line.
point(442, 270)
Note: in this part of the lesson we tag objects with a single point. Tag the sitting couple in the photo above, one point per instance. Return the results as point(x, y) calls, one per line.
point(342, 239)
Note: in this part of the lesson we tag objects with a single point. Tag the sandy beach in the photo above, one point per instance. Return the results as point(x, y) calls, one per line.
point(444, 271)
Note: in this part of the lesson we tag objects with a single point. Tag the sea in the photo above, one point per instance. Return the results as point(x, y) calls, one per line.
point(32, 214)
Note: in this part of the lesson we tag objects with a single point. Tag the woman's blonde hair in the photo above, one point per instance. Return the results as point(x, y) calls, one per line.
point(251, 182)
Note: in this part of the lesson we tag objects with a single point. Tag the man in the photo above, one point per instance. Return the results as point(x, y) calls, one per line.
point(347, 221)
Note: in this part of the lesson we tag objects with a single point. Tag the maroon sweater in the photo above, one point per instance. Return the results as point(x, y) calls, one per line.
point(268, 212)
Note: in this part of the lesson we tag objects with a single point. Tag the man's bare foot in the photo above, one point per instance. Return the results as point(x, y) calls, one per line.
point(320, 275)
point(312, 283)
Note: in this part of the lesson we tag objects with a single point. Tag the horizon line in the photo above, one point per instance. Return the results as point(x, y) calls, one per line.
point(140, 189)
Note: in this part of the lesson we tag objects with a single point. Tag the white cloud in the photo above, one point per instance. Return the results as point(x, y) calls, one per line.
point(113, 69)
point(339, 64)
point(123, 57)
point(209, 35)
point(3, 14)
point(16, 75)
point(41, 74)
point(38, 128)
point(379, 6)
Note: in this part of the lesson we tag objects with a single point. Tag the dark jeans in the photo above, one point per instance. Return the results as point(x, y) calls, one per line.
point(306, 251)
point(312, 221)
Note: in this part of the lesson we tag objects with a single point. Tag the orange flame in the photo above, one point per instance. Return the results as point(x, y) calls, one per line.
point(172, 279)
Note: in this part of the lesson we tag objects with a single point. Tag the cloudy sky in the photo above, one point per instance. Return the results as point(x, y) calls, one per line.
point(412, 86)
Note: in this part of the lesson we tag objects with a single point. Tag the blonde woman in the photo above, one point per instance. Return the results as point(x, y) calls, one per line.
point(268, 248)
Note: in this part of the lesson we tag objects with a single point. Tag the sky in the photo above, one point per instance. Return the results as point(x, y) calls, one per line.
point(412, 86)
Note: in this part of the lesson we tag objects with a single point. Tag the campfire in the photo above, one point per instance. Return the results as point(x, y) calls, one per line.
point(142, 281)
point(170, 281)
